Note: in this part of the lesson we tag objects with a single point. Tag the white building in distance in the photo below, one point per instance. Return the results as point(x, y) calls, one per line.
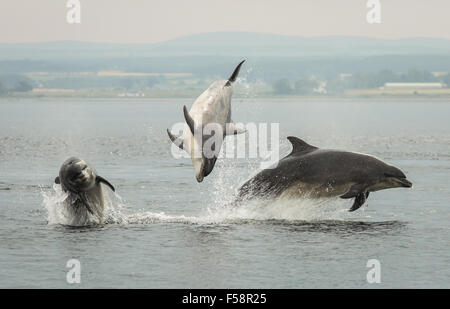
point(414, 86)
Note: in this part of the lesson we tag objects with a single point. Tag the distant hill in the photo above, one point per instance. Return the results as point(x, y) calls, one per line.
point(260, 44)
point(229, 44)
point(214, 55)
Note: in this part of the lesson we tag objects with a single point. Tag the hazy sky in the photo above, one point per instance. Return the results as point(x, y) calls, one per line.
point(147, 21)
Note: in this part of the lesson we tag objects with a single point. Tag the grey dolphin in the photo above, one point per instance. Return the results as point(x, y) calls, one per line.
point(85, 195)
point(312, 172)
point(212, 107)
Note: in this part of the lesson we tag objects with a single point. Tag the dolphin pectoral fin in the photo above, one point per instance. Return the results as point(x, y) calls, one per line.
point(57, 180)
point(100, 179)
point(354, 190)
point(360, 199)
point(235, 74)
point(190, 122)
point(357, 191)
point(233, 129)
point(176, 140)
point(349, 194)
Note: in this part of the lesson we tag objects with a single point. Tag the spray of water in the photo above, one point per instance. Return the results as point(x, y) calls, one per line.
point(220, 212)
point(61, 212)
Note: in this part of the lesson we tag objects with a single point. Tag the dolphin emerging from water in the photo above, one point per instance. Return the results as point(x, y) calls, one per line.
point(211, 112)
point(85, 196)
point(314, 173)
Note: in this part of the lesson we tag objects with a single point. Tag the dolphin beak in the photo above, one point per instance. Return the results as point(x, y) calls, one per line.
point(404, 182)
point(199, 177)
point(199, 168)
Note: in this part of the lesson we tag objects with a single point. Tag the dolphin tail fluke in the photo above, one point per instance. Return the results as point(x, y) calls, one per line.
point(190, 122)
point(100, 179)
point(176, 140)
point(235, 74)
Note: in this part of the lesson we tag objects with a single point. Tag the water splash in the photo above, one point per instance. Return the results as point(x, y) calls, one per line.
point(117, 211)
point(53, 200)
point(59, 212)
point(284, 209)
point(220, 210)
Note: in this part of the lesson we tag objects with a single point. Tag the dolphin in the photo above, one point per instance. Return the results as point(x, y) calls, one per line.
point(211, 112)
point(317, 173)
point(79, 180)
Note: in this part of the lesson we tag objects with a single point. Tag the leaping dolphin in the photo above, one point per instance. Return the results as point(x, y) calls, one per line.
point(312, 172)
point(211, 112)
point(85, 195)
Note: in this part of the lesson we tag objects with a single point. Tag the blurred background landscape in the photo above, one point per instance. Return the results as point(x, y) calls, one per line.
point(277, 66)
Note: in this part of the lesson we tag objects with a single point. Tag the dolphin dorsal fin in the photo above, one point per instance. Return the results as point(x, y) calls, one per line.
point(299, 145)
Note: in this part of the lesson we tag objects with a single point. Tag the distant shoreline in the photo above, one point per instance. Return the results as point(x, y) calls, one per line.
point(300, 99)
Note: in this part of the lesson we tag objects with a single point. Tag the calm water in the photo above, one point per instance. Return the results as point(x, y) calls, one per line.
point(166, 230)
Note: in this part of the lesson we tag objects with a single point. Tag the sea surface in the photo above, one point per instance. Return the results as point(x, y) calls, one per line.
point(165, 230)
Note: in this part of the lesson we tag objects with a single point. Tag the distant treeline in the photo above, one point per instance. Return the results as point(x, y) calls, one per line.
point(94, 81)
point(363, 80)
point(14, 82)
point(267, 69)
point(283, 86)
point(307, 83)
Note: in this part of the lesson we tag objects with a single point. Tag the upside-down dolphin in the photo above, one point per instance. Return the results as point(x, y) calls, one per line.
point(85, 196)
point(209, 115)
point(315, 173)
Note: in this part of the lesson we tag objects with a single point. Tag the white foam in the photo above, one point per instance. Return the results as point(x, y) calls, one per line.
point(220, 209)
point(58, 212)
point(117, 212)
